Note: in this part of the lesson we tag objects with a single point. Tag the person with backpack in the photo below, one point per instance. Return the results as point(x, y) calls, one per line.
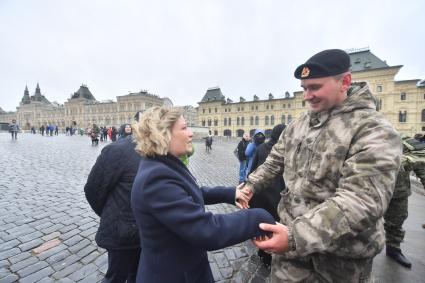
point(257, 139)
point(413, 159)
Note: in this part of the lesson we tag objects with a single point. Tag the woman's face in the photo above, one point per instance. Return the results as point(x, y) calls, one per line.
point(127, 129)
point(181, 138)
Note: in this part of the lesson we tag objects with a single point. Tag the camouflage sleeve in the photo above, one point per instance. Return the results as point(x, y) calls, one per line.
point(273, 166)
point(419, 169)
point(362, 196)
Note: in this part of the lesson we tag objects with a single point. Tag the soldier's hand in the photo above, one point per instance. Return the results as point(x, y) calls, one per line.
point(247, 189)
point(277, 243)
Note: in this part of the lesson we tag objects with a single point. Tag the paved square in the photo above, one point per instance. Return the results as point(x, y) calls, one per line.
point(42, 203)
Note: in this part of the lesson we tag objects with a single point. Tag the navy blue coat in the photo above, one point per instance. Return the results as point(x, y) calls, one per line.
point(175, 230)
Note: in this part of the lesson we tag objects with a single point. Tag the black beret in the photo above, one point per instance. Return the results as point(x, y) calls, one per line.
point(326, 63)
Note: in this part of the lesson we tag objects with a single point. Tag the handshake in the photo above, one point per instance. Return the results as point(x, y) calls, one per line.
point(277, 237)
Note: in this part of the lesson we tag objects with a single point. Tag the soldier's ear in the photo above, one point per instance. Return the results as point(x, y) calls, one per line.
point(346, 82)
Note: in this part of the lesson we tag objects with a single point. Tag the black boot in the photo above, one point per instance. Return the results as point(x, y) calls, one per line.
point(398, 256)
point(423, 226)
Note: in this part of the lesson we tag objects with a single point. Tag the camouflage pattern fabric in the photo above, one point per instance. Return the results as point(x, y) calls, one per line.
point(413, 160)
point(340, 169)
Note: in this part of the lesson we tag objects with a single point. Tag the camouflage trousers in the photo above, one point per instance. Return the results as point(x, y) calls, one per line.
point(394, 217)
point(321, 268)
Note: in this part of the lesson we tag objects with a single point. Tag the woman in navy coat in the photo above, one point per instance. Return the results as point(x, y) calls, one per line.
point(175, 230)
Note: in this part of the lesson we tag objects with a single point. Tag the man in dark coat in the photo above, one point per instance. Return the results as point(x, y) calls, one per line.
point(108, 191)
point(268, 198)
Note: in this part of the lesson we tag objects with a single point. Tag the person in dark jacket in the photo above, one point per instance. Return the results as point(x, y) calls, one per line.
point(125, 131)
point(108, 191)
point(241, 156)
point(268, 198)
point(257, 139)
point(168, 205)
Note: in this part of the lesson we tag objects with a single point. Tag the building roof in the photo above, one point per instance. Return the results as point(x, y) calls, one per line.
point(213, 94)
point(363, 60)
point(83, 92)
point(2, 111)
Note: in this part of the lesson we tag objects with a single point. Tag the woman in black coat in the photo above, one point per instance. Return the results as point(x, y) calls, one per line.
point(168, 205)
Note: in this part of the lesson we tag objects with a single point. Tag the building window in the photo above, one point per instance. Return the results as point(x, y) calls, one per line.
point(403, 96)
point(230, 121)
point(215, 122)
point(272, 120)
point(215, 133)
point(209, 122)
point(256, 107)
point(303, 103)
point(209, 110)
point(289, 105)
point(289, 118)
point(225, 121)
point(242, 108)
point(423, 115)
point(203, 123)
point(215, 110)
point(402, 116)
point(266, 120)
point(203, 111)
point(283, 119)
point(271, 107)
point(267, 106)
point(379, 88)
point(284, 106)
point(257, 120)
point(379, 106)
point(252, 107)
point(238, 121)
point(225, 109)
point(251, 120)
point(239, 109)
point(243, 121)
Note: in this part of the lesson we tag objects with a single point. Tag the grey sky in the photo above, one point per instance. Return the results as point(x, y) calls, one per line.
point(178, 49)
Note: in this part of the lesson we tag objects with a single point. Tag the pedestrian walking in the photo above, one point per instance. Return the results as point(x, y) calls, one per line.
point(14, 129)
point(339, 176)
point(168, 205)
point(108, 191)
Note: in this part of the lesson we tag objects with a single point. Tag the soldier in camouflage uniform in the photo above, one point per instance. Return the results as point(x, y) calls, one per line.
point(413, 160)
point(340, 177)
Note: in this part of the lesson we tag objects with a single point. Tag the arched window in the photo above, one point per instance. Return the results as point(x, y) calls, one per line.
point(243, 121)
point(289, 118)
point(251, 120)
point(203, 123)
point(423, 115)
point(238, 121)
point(403, 96)
point(266, 120)
point(257, 120)
point(225, 121)
point(230, 121)
point(283, 119)
point(272, 120)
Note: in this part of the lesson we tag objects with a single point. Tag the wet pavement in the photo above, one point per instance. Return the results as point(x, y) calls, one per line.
point(47, 228)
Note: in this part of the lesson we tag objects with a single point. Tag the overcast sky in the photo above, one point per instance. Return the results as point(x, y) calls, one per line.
point(178, 49)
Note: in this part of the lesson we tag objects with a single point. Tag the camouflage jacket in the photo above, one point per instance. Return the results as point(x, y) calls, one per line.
point(340, 168)
point(413, 159)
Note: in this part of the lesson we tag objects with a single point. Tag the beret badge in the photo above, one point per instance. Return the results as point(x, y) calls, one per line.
point(305, 72)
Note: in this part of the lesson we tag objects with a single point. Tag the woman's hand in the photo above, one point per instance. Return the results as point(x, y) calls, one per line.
point(241, 199)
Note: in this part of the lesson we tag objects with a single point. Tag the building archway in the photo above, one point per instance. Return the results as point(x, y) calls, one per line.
point(227, 133)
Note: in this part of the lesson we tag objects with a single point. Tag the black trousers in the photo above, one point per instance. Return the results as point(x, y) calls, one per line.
point(122, 266)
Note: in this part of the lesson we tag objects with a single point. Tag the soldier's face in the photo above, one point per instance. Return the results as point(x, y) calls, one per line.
point(325, 93)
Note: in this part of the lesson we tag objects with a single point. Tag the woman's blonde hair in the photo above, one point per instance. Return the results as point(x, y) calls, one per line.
point(153, 131)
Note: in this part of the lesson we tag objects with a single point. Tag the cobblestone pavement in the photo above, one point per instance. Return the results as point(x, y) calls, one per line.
point(42, 203)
